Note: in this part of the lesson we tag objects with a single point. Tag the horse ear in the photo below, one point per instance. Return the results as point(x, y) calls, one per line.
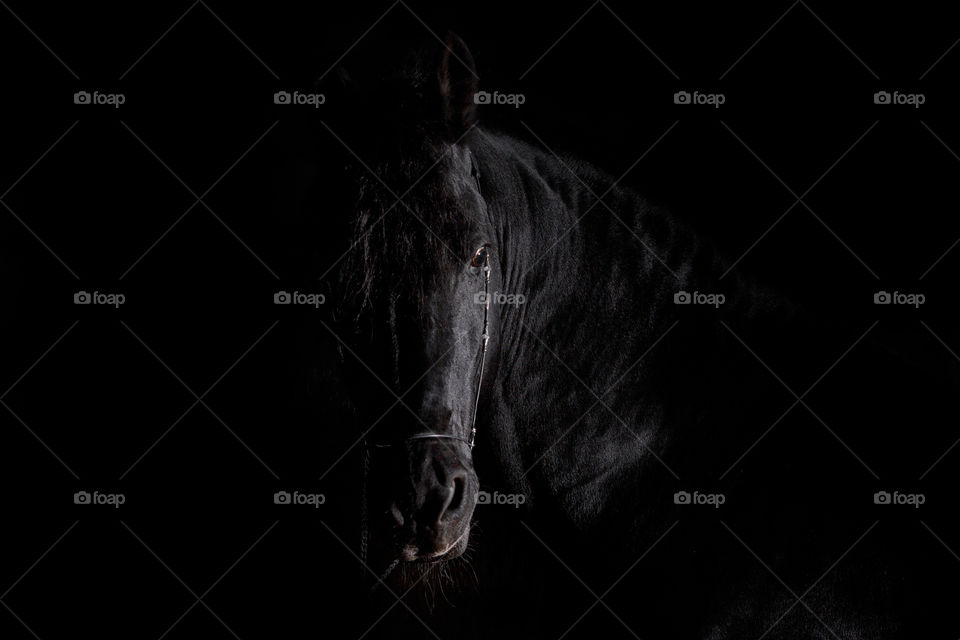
point(458, 85)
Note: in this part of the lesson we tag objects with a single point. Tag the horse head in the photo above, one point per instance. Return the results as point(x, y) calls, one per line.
point(416, 284)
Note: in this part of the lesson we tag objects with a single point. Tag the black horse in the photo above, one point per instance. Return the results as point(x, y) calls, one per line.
point(543, 332)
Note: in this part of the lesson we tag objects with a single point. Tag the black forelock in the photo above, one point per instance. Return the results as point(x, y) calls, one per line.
point(403, 250)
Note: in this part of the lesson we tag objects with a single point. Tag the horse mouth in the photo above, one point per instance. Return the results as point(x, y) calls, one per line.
point(413, 553)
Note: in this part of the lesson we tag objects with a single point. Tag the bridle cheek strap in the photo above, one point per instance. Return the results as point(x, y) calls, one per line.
point(484, 339)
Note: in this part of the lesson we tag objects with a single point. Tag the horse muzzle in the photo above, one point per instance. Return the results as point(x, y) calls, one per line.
point(435, 523)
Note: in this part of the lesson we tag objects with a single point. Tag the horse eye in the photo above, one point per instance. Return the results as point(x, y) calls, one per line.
point(479, 258)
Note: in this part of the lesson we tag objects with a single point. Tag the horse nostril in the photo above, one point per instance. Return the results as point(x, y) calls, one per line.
point(444, 500)
point(458, 492)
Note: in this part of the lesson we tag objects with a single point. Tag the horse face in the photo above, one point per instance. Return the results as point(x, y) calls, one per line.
point(428, 329)
point(422, 266)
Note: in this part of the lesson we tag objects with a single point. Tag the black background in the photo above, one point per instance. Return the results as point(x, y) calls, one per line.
point(83, 213)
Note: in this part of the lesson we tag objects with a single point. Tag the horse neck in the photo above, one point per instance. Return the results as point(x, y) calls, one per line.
point(599, 280)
